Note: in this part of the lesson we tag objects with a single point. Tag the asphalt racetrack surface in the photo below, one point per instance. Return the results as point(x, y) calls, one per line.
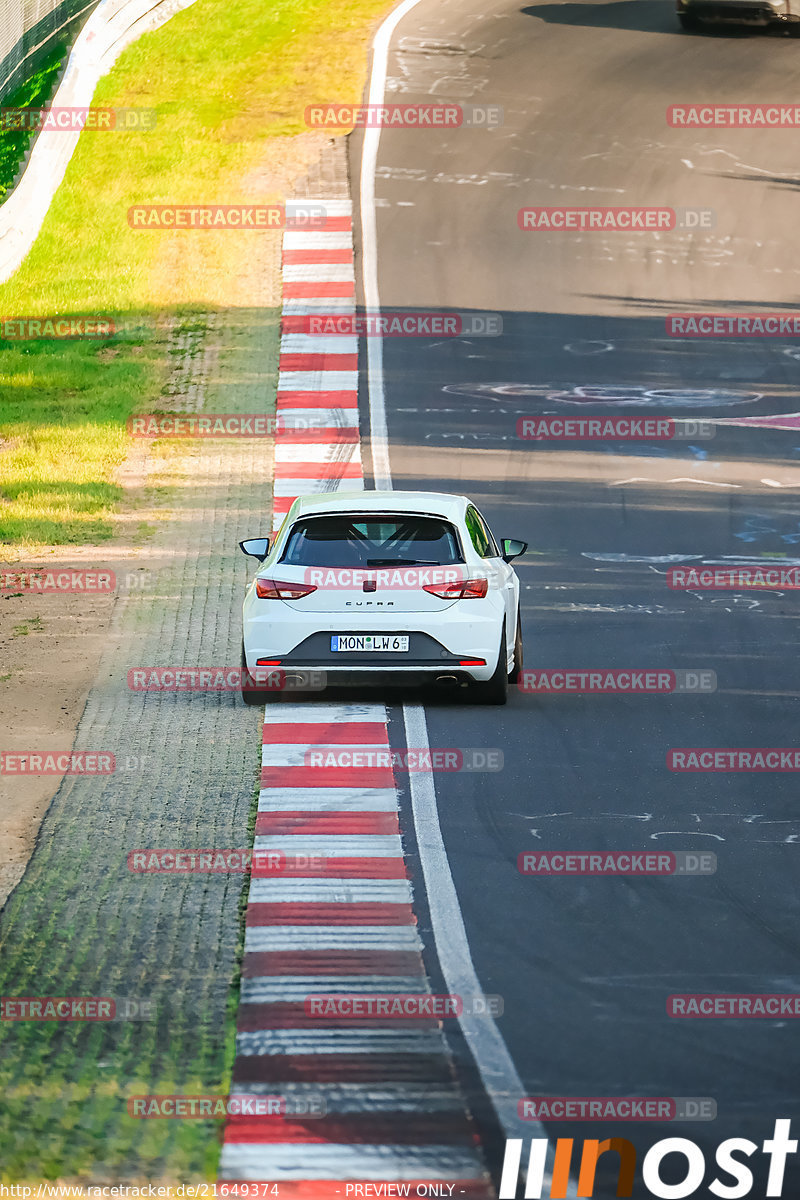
point(585, 965)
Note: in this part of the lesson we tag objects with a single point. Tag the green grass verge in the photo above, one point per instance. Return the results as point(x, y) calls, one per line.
point(225, 82)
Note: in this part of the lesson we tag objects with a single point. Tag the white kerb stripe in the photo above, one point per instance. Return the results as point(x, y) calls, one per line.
point(318, 239)
point(305, 306)
point(355, 845)
point(317, 343)
point(286, 989)
point(334, 206)
point(332, 714)
point(318, 452)
point(324, 799)
point(317, 418)
point(318, 272)
point(287, 1162)
point(259, 938)
point(291, 488)
point(360, 1097)
point(292, 755)
point(330, 891)
point(318, 381)
point(341, 1041)
point(367, 845)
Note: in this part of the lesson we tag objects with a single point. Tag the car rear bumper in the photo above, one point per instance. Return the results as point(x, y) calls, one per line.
point(438, 650)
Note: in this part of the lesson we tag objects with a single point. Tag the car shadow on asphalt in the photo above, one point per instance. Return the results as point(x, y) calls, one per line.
point(642, 16)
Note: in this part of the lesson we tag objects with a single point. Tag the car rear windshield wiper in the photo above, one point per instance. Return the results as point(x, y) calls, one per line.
point(402, 562)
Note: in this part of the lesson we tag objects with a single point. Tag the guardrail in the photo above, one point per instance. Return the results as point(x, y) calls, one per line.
point(29, 30)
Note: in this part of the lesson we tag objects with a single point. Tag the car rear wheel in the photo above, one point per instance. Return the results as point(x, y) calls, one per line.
point(494, 690)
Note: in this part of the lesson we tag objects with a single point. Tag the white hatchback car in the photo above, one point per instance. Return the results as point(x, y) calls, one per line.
point(384, 588)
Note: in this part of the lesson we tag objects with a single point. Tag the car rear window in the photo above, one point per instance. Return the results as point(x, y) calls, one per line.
point(371, 541)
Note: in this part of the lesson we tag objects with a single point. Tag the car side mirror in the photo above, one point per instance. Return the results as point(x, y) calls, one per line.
point(256, 548)
point(513, 549)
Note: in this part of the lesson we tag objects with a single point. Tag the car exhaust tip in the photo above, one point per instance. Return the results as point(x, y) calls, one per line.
point(448, 680)
point(295, 681)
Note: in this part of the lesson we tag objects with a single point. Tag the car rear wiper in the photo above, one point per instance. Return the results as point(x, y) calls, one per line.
point(402, 562)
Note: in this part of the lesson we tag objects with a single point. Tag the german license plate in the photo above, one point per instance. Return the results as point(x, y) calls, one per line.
point(380, 643)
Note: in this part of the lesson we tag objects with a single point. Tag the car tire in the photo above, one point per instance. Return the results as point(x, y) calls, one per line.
point(516, 675)
point(688, 22)
point(494, 690)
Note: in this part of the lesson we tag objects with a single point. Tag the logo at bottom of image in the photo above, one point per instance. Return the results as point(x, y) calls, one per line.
point(730, 1173)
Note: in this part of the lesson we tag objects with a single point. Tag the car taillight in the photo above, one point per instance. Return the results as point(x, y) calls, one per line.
point(274, 589)
point(462, 589)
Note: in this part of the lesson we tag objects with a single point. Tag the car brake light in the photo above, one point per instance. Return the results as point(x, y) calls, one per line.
point(461, 589)
point(274, 589)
